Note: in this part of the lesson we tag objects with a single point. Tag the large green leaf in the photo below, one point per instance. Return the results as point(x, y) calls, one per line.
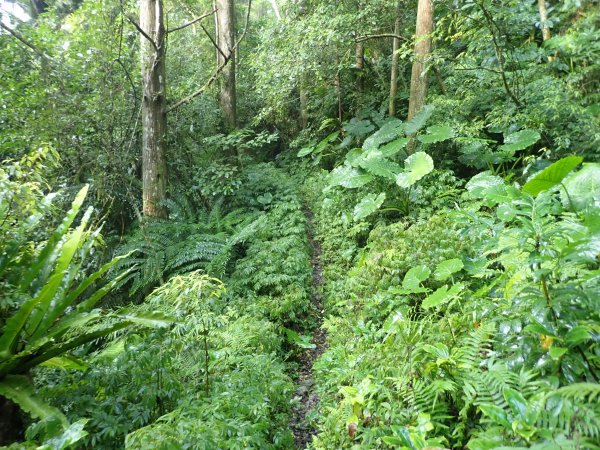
point(66, 362)
point(18, 388)
point(325, 142)
point(394, 147)
point(446, 268)
point(416, 166)
point(15, 324)
point(72, 435)
point(359, 127)
point(390, 130)
point(419, 120)
point(436, 133)
point(62, 271)
point(551, 175)
point(354, 156)
point(415, 276)
point(441, 296)
point(483, 183)
point(368, 205)
point(305, 151)
point(348, 177)
point(583, 188)
point(54, 241)
point(519, 141)
point(374, 162)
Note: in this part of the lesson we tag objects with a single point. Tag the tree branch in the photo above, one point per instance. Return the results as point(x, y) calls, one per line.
point(192, 22)
point(24, 41)
point(366, 37)
point(206, 85)
point(213, 42)
point(245, 27)
point(142, 32)
point(215, 75)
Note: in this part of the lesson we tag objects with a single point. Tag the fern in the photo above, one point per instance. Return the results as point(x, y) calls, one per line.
point(164, 249)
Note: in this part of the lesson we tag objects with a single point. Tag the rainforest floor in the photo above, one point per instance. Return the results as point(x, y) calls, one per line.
point(306, 399)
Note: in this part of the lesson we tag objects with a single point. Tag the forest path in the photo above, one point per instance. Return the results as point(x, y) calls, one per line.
point(305, 393)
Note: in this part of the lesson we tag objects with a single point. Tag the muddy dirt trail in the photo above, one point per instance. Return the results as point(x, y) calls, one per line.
point(305, 393)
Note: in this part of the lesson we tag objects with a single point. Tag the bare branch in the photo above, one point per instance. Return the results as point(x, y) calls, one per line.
point(206, 85)
point(24, 41)
point(215, 75)
point(366, 37)
point(192, 22)
point(245, 27)
point(213, 42)
point(142, 32)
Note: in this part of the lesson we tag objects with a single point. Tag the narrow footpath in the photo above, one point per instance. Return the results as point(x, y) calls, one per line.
point(305, 394)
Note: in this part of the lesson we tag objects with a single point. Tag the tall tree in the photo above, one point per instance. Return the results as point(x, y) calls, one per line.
point(359, 65)
point(418, 79)
point(225, 23)
point(546, 34)
point(154, 117)
point(394, 71)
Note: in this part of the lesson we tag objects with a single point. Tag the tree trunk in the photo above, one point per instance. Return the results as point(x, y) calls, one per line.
point(546, 34)
point(418, 79)
point(154, 118)
point(394, 71)
point(359, 65)
point(276, 9)
point(303, 106)
point(226, 41)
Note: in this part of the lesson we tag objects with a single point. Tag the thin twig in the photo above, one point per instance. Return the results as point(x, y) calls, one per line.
point(192, 22)
point(206, 85)
point(215, 75)
point(142, 32)
point(24, 41)
point(213, 42)
point(366, 37)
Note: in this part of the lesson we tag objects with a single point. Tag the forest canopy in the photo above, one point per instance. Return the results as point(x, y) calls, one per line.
point(279, 224)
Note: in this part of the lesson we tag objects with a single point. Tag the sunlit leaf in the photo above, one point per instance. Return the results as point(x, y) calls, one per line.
point(416, 166)
point(446, 268)
point(441, 296)
point(348, 177)
point(419, 120)
point(551, 175)
point(415, 276)
point(583, 188)
point(390, 130)
point(436, 133)
point(374, 162)
point(368, 205)
point(519, 141)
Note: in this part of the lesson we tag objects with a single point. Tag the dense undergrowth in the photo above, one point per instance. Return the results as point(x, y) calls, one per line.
point(473, 326)
point(459, 240)
point(216, 378)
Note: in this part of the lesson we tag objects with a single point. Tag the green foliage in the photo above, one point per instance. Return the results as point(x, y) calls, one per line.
point(51, 308)
point(166, 248)
point(461, 331)
point(457, 318)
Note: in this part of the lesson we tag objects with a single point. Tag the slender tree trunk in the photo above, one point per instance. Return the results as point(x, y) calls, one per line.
point(154, 118)
point(546, 34)
point(359, 65)
point(303, 105)
point(337, 81)
point(226, 42)
point(418, 80)
point(276, 9)
point(394, 71)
